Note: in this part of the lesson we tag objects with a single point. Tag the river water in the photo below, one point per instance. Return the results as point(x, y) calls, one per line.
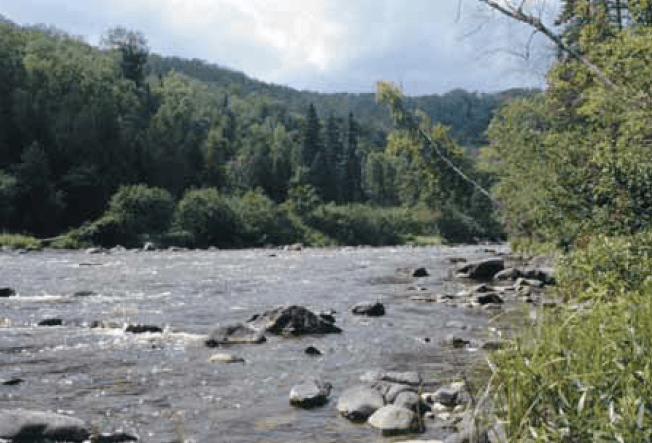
point(162, 386)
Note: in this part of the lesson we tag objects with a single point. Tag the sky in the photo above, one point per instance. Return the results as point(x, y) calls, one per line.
point(426, 46)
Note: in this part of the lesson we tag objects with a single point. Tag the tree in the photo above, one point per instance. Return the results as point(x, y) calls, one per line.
point(133, 50)
point(312, 138)
point(334, 151)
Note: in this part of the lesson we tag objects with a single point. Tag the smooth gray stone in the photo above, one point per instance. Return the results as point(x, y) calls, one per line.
point(311, 392)
point(393, 419)
point(234, 334)
point(359, 402)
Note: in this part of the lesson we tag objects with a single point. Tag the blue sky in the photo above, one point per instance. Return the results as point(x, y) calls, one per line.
point(427, 46)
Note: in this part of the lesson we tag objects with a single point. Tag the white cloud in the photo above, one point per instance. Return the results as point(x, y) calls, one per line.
point(319, 44)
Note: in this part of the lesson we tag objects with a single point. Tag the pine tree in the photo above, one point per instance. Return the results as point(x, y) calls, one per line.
point(311, 140)
point(349, 169)
point(334, 151)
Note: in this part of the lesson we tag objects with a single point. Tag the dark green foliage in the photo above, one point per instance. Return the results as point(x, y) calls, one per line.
point(133, 50)
point(356, 224)
point(260, 222)
point(38, 201)
point(208, 219)
point(303, 198)
point(142, 210)
point(77, 124)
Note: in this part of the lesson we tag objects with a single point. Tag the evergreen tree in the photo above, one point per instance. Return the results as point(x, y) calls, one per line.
point(349, 170)
point(334, 151)
point(312, 138)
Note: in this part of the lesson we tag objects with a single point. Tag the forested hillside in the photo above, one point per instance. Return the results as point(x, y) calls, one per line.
point(79, 123)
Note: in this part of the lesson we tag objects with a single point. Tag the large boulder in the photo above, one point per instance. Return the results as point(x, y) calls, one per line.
point(293, 320)
point(234, 334)
point(393, 419)
point(311, 392)
point(483, 270)
point(359, 402)
point(19, 425)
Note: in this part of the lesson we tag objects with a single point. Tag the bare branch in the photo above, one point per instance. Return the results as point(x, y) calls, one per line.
point(519, 15)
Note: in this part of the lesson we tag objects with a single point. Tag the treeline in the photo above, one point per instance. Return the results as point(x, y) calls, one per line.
point(78, 124)
point(467, 113)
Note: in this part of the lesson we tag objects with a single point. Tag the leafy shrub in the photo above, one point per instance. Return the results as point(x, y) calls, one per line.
point(207, 217)
point(303, 199)
point(357, 224)
point(606, 267)
point(259, 219)
point(141, 209)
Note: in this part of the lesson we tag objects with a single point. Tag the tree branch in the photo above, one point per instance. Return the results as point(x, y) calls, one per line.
point(519, 15)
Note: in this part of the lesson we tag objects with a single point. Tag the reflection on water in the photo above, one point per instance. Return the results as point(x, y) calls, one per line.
point(162, 385)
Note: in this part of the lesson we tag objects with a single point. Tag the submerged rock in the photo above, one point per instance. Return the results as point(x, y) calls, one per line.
point(19, 425)
point(311, 392)
point(50, 322)
point(84, 293)
point(369, 309)
point(293, 320)
point(225, 358)
point(139, 329)
point(235, 334)
point(359, 402)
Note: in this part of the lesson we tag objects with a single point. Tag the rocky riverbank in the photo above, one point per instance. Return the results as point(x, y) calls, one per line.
point(393, 402)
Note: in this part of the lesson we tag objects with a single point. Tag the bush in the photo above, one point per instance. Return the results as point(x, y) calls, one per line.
point(142, 210)
point(606, 267)
point(357, 224)
point(259, 220)
point(207, 217)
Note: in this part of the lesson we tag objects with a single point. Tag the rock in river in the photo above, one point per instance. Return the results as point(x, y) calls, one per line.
point(392, 419)
point(7, 292)
point(19, 425)
point(139, 329)
point(293, 320)
point(50, 322)
point(369, 309)
point(359, 402)
point(311, 392)
point(234, 334)
point(483, 269)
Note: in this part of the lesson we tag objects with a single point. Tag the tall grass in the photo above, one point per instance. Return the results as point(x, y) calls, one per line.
point(19, 241)
point(584, 372)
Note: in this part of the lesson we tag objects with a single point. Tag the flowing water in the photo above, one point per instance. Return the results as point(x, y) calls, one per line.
point(162, 386)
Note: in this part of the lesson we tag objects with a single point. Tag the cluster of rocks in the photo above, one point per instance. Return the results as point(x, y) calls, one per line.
point(21, 426)
point(495, 285)
point(395, 403)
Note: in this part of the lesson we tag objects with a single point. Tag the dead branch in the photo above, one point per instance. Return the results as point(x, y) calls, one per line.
point(519, 15)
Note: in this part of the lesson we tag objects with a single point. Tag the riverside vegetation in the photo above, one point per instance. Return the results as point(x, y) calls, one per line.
point(574, 178)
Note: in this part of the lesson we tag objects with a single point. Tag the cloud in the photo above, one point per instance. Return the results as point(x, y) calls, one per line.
point(325, 45)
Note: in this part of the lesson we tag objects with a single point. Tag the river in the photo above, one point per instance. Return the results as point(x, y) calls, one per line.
point(162, 386)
